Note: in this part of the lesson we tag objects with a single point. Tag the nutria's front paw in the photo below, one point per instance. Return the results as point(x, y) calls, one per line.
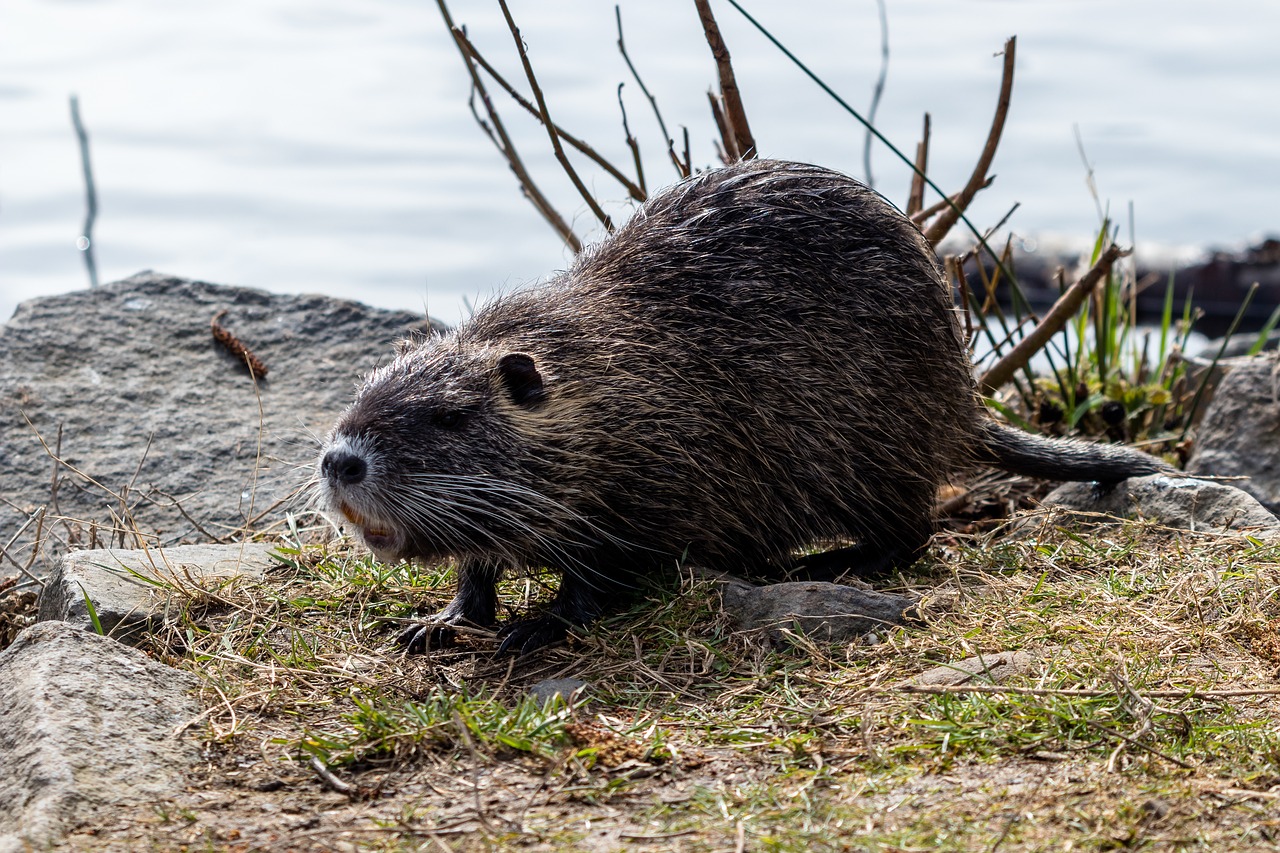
point(527, 635)
point(421, 637)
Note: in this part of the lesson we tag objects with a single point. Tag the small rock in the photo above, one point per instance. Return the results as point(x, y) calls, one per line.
point(1240, 432)
point(1181, 502)
point(983, 669)
point(544, 691)
point(88, 723)
point(826, 612)
point(130, 590)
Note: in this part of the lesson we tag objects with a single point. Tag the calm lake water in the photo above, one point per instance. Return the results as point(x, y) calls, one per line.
point(313, 145)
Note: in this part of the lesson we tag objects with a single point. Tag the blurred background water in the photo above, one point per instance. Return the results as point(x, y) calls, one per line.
point(324, 146)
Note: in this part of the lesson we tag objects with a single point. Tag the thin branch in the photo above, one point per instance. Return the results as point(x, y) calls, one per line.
point(505, 146)
point(4, 551)
point(527, 188)
point(547, 123)
point(734, 112)
point(634, 145)
point(915, 198)
point(878, 91)
point(939, 228)
point(85, 243)
point(653, 102)
point(632, 189)
point(1053, 321)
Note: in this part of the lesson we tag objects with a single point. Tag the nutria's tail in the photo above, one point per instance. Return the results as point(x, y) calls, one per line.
point(1062, 458)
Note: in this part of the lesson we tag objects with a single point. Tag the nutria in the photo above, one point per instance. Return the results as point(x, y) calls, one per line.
point(765, 358)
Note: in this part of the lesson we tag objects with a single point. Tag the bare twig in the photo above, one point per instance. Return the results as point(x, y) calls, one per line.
point(1107, 730)
point(1053, 321)
point(4, 552)
point(505, 146)
point(915, 199)
point(1190, 693)
point(547, 123)
point(527, 187)
point(878, 91)
point(942, 225)
point(330, 781)
point(64, 463)
point(85, 243)
point(634, 145)
point(57, 469)
point(681, 168)
point(736, 115)
point(632, 189)
point(222, 540)
point(933, 209)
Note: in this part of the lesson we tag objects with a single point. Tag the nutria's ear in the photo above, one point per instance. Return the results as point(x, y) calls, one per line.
point(524, 383)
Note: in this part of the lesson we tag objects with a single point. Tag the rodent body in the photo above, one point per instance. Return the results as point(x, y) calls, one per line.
point(765, 358)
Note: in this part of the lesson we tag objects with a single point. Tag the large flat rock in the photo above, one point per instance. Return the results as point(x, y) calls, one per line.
point(161, 430)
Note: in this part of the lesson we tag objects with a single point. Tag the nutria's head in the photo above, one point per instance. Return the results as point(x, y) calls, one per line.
point(431, 459)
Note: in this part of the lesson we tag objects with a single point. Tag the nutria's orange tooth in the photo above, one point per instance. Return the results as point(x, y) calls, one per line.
point(354, 517)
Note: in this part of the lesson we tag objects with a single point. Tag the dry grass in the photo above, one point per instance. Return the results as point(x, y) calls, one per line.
point(694, 737)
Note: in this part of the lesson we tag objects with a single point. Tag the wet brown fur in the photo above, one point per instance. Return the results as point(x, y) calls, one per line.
point(764, 359)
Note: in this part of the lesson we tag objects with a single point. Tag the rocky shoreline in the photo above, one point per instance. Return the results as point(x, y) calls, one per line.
point(129, 430)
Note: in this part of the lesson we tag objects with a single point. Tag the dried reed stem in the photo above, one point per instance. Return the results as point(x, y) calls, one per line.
point(1057, 316)
point(948, 217)
point(238, 350)
point(729, 152)
point(547, 123)
point(736, 115)
point(915, 198)
point(90, 193)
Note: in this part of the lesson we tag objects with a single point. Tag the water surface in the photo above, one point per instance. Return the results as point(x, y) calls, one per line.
point(327, 147)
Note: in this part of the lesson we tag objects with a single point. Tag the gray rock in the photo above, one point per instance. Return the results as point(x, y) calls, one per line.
point(88, 724)
point(162, 426)
point(827, 612)
point(981, 669)
point(1240, 432)
point(548, 688)
point(131, 590)
point(1181, 502)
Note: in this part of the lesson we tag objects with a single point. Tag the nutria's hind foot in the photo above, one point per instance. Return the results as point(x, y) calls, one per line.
point(867, 560)
point(527, 635)
point(576, 605)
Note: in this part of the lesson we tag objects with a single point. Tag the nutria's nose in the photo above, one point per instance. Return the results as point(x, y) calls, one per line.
point(344, 467)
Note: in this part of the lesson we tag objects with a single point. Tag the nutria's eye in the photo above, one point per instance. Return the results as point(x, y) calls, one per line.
point(449, 419)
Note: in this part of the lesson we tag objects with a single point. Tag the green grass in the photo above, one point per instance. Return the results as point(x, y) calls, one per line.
point(702, 737)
